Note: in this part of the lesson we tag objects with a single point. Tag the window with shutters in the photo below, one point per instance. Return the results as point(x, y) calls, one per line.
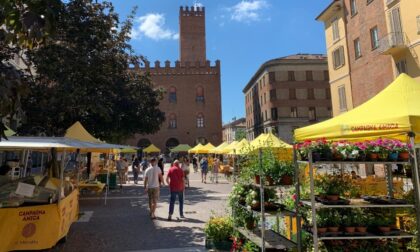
point(357, 48)
point(368, 2)
point(293, 112)
point(396, 28)
point(338, 57)
point(335, 29)
point(200, 121)
point(291, 75)
point(273, 94)
point(172, 95)
point(401, 66)
point(274, 115)
point(312, 114)
point(342, 98)
point(309, 76)
point(374, 38)
point(353, 7)
point(418, 24)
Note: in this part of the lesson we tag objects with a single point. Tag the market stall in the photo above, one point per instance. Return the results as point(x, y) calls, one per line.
point(377, 133)
point(182, 148)
point(36, 212)
point(151, 149)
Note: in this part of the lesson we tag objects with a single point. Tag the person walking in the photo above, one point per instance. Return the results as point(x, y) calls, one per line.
point(136, 169)
point(204, 169)
point(195, 163)
point(216, 167)
point(120, 170)
point(152, 181)
point(186, 169)
point(175, 180)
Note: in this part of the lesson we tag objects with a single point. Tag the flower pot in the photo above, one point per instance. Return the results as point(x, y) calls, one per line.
point(393, 156)
point(332, 197)
point(250, 225)
point(373, 156)
point(316, 156)
point(256, 206)
point(327, 155)
point(269, 180)
point(383, 156)
point(333, 229)
point(350, 230)
point(361, 229)
point(218, 245)
point(257, 179)
point(322, 230)
point(384, 229)
point(286, 180)
point(362, 156)
point(404, 156)
point(337, 156)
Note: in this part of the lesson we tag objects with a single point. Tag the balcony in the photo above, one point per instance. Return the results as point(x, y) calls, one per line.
point(393, 43)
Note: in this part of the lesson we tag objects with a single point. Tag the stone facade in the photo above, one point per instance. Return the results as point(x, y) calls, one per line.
point(230, 129)
point(287, 93)
point(192, 102)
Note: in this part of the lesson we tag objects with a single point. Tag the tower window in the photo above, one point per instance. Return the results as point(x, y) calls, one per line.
point(172, 95)
point(172, 121)
point(200, 121)
point(199, 95)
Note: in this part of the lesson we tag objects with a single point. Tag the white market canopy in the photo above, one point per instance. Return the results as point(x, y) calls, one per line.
point(60, 143)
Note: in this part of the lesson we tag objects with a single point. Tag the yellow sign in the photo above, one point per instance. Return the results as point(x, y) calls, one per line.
point(37, 227)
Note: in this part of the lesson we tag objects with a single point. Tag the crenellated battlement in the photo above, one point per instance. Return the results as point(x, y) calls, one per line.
point(180, 68)
point(191, 11)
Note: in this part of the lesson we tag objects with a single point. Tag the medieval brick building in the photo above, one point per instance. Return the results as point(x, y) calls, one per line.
point(192, 102)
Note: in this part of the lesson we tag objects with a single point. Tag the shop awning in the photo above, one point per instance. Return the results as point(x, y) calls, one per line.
point(181, 148)
point(151, 149)
point(202, 149)
point(195, 148)
point(269, 140)
point(392, 114)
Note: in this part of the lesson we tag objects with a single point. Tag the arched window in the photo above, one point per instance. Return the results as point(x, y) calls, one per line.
point(172, 94)
point(199, 97)
point(171, 143)
point(201, 140)
point(200, 120)
point(172, 121)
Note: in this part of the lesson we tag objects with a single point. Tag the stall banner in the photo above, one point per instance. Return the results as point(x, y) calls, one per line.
point(37, 227)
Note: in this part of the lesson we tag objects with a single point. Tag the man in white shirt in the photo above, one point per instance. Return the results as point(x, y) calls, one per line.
point(152, 182)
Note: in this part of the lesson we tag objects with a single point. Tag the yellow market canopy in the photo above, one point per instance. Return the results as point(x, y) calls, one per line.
point(241, 148)
point(392, 114)
point(227, 148)
point(195, 148)
point(269, 140)
point(181, 148)
point(151, 149)
point(9, 132)
point(77, 131)
point(219, 147)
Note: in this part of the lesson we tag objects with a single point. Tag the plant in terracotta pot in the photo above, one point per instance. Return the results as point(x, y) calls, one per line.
point(348, 151)
point(332, 186)
point(284, 172)
point(322, 221)
point(373, 148)
point(253, 198)
point(348, 222)
point(238, 194)
point(333, 221)
point(403, 151)
point(360, 220)
point(383, 223)
point(321, 150)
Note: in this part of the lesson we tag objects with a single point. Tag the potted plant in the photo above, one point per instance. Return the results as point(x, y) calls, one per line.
point(383, 224)
point(333, 221)
point(249, 246)
point(238, 194)
point(373, 148)
point(348, 223)
point(219, 230)
point(360, 220)
point(403, 151)
point(285, 173)
point(322, 221)
point(332, 186)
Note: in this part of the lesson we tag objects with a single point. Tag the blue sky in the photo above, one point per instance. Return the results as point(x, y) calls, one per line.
point(242, 34)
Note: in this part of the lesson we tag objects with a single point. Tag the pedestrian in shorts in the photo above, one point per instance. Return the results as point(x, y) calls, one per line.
point(152, 181)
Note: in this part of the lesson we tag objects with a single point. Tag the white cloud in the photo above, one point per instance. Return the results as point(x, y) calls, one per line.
point(152, 26)
point(247, 11)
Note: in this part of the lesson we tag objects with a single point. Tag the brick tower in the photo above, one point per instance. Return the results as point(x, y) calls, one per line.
point(192, 34)
point(192, 102)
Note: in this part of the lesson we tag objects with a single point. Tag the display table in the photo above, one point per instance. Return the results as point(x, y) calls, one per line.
point(95, 187)
point(37, 227)
point(112, 179)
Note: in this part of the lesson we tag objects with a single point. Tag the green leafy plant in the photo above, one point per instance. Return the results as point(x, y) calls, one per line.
point(219, 228)
point(333, 184)
point(333, 218)
point(249, 246)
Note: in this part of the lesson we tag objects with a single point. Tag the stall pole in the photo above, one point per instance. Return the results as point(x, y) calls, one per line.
point(297, 187)
point(416, 185)
point(25, 165)
point(42, 162)
point(63, 157)
point(314, 224)
point(262, 202)
point(107, 178)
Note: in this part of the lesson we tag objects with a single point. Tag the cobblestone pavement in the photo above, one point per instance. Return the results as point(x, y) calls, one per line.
point(123, 224)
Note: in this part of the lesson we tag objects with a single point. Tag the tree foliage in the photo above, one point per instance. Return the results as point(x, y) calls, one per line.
point(82, 75)
point(240, 134)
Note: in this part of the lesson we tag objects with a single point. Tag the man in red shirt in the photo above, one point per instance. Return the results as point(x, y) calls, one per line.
point(175, 180)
